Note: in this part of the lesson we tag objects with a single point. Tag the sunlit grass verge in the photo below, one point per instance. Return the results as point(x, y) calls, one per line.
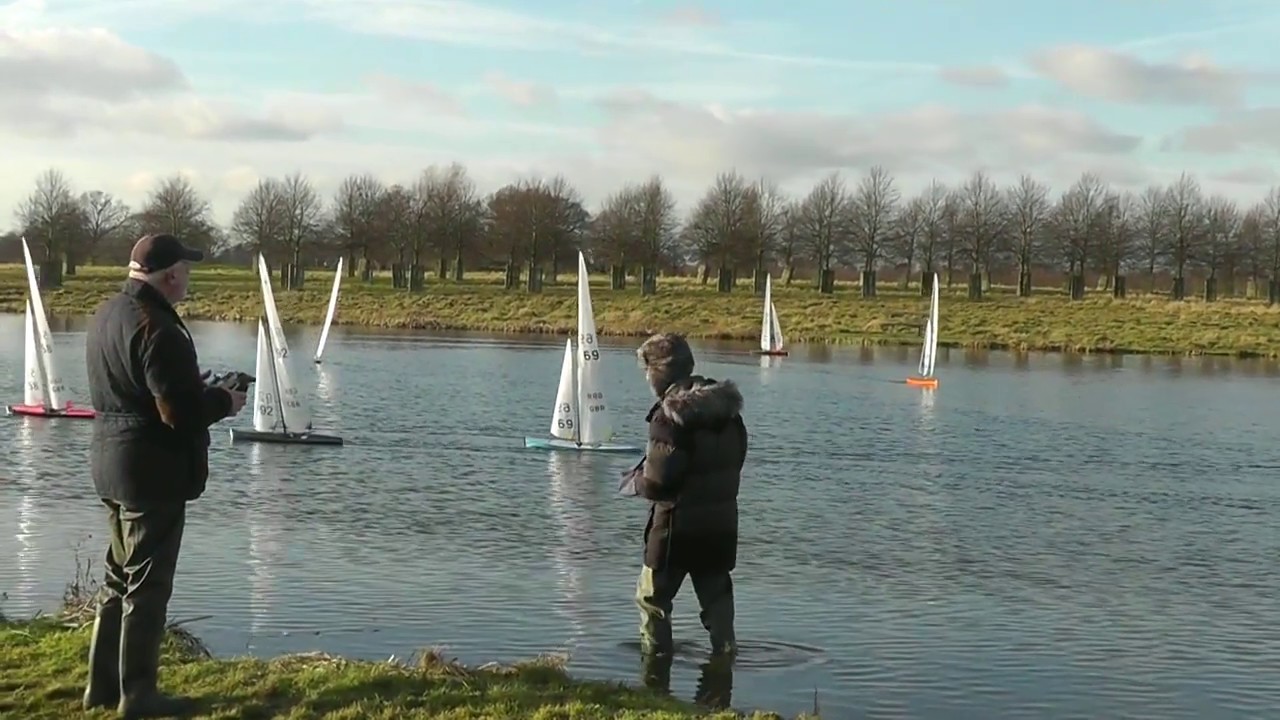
point(43, 671)
point(1143, 324)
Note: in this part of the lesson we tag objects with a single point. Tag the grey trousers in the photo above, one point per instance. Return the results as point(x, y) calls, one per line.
point(655, 595)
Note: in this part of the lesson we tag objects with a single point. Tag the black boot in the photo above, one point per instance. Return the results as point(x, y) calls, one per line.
point(141, 635)
point(103, 689)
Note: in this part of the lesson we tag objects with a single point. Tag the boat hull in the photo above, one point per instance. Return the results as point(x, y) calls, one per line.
point(545, 443)
point(71, 411)
point(923, 382)
point(284, 438)
point(772, 353)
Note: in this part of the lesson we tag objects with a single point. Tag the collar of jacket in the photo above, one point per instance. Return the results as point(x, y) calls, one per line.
point(149, 295)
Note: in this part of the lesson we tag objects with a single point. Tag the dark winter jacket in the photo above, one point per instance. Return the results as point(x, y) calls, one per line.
point(691, 472)
point(151, 436)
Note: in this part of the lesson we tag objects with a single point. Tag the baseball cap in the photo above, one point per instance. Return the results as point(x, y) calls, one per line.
point(159, 251)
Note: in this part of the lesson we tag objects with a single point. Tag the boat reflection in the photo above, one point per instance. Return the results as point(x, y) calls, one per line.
point(28, 445)
point(569, 492)
point(266, 547)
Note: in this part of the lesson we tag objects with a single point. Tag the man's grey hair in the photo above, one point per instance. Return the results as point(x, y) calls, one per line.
point(151, 278)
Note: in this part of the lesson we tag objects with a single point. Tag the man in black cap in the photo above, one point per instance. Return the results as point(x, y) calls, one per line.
point(149, 456)
point(690, 473)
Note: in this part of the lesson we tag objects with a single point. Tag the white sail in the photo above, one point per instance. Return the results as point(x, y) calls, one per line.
point(778, 340)
point(53, 386)
point(593, 410)
point(32, 375)
point(929, 353)
point(564, 419)
point(333, 306)
point(267, 412)
point(297, 416)
point(767, 321)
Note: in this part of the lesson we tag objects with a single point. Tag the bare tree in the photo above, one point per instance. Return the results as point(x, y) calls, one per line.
point(52, 216)
point(259, 221)
point(175, 207)
point(825, 222)
point(657, 226)
point(765, 216)
point(873, 206)
point(1184, 220)
point(105, 218)
point(1118, 228)
point(1253, 243)
point(1150, 219)
point(1219, 244)
point(1028, 202)
point(909, 226)
point(982, 219)
point(452, 207)
point(355, 217)
point(717, 229)
point(936, 206)
point(395, 220)
point(1079, 214)
point(302, 214)
point(565, 221)
point(790, 238)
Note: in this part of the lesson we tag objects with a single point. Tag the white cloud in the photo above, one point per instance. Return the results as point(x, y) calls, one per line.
point(66, 83)
point(521, 94)
point(117, 117)
point(428, 96)
point(1252, 130)
point(975, 76)
point(1107, 74)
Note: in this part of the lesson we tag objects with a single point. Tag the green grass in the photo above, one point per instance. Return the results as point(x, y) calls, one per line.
point(43, 671)
point(1047, 321)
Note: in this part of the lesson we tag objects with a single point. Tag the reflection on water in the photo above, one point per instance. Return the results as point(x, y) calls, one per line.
point(572, 518)
point(768, 365)
point(25, 456)
point(265, 537)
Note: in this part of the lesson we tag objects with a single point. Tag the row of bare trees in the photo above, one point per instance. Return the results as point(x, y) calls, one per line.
point(739, 226)
point(95, 226)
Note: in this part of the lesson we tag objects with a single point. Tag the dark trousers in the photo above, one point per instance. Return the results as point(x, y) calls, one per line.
point(656, 593)
point(140, 565)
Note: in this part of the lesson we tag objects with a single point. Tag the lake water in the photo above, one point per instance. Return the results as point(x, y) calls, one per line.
point(1043, 536)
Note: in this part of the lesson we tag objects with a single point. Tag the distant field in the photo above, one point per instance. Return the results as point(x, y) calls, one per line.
point(1047, 321)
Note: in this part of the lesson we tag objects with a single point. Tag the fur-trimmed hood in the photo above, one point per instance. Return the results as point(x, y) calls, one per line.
point(700, 401)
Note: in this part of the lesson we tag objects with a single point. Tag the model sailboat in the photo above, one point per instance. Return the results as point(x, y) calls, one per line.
point(581, 418)
point(333, 307)
point(771, 340)
point(280, 414)
point(43, 392)
point(928, 353)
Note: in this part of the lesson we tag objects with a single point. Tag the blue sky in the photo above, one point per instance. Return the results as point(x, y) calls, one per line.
point(609, 92)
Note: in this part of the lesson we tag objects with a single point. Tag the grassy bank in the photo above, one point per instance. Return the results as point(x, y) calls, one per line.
point(43, 672)
point(1000, 321)
point(42, 676)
